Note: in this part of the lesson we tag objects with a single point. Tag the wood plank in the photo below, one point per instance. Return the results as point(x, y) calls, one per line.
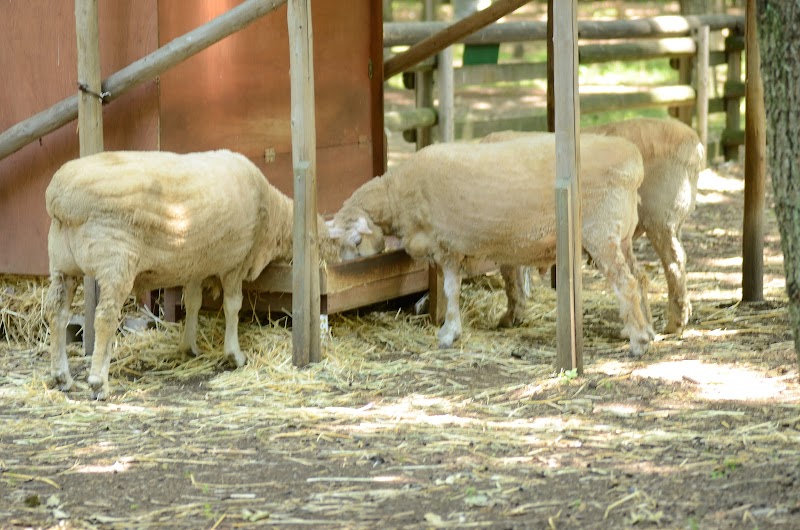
point(305, 275)
point(569, 332)
point(338, 277)
point(90, 126)
point(754, 167)
point(409, 33)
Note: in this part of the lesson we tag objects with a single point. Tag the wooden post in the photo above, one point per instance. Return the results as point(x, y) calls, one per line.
point(446, 88)
point(305, 263)
point(551, 94)
point(450, 35)
point(754, 167)
point(684, 113)
point(423, 89)
point(148, 67)
point(90, 126)
point(732, 113)
point(702, 34)
point(568, 203)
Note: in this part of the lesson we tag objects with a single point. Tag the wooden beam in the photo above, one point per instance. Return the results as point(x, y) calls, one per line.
point(569, 339)
point(148, 67)
point(90, 126)
point(450, 35)
point(305, 263)
point(754, 166)
point(409, 33)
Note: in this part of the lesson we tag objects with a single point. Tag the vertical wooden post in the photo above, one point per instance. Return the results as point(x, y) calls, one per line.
point(684, 113)
point(423, 86)
point(446, 89)
point(754, 166)
point(90, 126)
point(732, 114)
point(568, 191)
point(551, 102)
point(305, 264)
point(702, 35)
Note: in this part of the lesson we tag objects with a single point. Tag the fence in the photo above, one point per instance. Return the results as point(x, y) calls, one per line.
point(684, 41)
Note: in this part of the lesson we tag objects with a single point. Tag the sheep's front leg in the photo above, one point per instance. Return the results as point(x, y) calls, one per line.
point(106, 321)
point(668, 246)
point(192, 300)
point(514, 280)
point(232, 303)
point(57, 304)
point(451, 329)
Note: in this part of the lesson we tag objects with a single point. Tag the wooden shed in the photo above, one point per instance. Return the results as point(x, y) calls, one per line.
point(233, 95)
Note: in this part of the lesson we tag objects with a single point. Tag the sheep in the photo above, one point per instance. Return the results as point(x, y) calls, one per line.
point(450, 202)
point(137, 221)
point(673, 157)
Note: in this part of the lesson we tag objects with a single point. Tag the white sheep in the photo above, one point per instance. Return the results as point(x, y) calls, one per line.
point(673, 157)
point(449, 202)
point(145, 220)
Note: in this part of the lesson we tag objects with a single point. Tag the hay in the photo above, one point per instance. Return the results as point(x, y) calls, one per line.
point(21, 310)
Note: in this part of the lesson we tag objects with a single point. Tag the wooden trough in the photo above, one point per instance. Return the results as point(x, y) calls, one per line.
point(343, 286)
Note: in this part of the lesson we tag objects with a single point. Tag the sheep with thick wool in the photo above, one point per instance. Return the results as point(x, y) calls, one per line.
point(496, 201)
point(673, 157)
point(137, 221)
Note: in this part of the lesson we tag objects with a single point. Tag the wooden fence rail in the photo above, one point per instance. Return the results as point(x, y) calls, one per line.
point(673, 38)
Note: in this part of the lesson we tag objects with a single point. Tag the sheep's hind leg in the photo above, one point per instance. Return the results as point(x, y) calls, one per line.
point(232, 303)
point(514, 279)
point(673, 257)
point(608, 255)
point(192, 300)
point(106, 322)
point(57, 304)
point(451, 329)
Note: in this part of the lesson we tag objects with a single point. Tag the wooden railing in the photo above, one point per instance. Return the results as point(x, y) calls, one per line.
point(680, 40)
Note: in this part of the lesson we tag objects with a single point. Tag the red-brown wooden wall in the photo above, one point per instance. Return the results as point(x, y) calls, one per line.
point(233, 95)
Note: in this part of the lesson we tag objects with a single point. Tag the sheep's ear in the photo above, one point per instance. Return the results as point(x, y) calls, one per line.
point(335, 232)
point(362, 226)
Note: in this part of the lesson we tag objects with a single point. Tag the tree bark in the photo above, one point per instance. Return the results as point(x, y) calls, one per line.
point(779, 38)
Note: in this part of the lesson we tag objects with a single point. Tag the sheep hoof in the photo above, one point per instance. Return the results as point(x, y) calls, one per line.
point(190, 349)
point(99, 388)
point(639, 346)
point(446, 339)
point(673, 328)
point(237, 358)
point(509, 320)
point(61, 380)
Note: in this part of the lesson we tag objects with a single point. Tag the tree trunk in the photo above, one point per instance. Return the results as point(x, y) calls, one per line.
point(779, 38)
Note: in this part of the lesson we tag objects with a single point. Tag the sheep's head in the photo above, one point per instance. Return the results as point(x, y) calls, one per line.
point(357, 238)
